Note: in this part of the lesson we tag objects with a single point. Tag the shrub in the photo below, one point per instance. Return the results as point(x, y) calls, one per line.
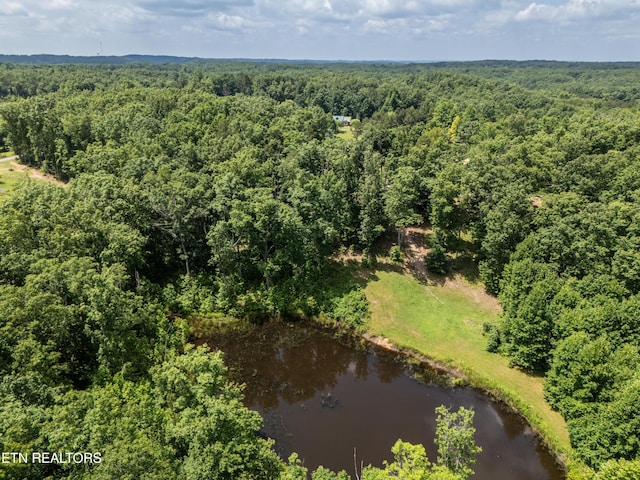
point(395, 254)
point(369, 259)
point(492, 332)
point(437, 260)
point(352, 308)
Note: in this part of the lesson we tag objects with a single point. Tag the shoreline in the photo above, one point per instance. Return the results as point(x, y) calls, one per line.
point(457, 374)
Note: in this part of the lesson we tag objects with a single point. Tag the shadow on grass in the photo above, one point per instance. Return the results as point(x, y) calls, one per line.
point(462, 264)
point(465, 265)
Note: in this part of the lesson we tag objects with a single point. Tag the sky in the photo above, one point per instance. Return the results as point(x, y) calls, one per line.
point(402, 30)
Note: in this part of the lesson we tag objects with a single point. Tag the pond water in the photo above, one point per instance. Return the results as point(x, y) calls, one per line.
point(324, 398)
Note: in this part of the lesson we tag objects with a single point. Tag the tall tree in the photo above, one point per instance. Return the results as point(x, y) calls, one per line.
point(401, 200)
point(454, 436)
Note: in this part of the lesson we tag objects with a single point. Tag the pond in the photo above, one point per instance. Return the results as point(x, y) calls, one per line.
point(326, 398)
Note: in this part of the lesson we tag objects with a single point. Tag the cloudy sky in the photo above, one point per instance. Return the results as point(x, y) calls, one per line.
point(597, 30)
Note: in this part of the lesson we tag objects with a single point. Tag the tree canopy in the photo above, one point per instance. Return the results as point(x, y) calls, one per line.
point(225, 188)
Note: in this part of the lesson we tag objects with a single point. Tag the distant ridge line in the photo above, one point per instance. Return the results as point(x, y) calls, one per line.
point(96, 59)
point(131, 59)
point(52, 59)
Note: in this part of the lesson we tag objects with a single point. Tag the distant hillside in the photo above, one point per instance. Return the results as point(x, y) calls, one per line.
point(477, 66)
point(46, 59)
point(110, 60)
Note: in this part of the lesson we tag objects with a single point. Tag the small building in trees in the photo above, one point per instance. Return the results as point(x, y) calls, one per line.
point(346, 120)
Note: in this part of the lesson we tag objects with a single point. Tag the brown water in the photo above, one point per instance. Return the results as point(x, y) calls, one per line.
point(323, 398)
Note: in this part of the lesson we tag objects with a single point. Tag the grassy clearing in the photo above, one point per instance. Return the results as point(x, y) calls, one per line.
point(345, 133)
point(444, 322)
point(12, 173)
point(10, 176)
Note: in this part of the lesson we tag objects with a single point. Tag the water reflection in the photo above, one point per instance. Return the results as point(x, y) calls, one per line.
point(322, 398)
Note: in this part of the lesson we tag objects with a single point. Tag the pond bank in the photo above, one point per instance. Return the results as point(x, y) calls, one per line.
point(461, 378)
point(443, 327)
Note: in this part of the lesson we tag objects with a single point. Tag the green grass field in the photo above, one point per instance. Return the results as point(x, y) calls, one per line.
point(444, 322)
point(345, 133)
point(12, 173)
point(10, 176)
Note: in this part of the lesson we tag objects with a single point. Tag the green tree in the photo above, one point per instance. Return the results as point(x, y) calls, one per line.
point(122, 421)
point(370, 200)
point(611, 431)
point(401, 199)
point(186, 421)
point(529, 324)
point(356, 128)
point(586, 371)
point(505, 225)
point(437, 260)
point(207, 425)
point(179, 202)
point(448, 212)
point(454, 436)
point(619, 470)
point(410, 462)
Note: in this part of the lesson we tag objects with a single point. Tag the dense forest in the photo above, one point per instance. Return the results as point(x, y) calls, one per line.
point(226, 188)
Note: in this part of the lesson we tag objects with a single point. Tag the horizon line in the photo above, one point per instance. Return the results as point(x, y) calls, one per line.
point(310, 60)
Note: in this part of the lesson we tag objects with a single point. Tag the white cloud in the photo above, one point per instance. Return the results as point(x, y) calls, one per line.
point(379, 17)
point(12, 9)
point(275, 28)
point(399, 8)
point(294, 9)
point(230, 21)
point(179, 8)
point(408, 26)
point(60, 5)
point(578, 10)
point(368, 9)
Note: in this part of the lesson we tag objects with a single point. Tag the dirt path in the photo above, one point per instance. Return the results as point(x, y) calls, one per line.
point(416, 250)
point(476, 293)
point(31, 172)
